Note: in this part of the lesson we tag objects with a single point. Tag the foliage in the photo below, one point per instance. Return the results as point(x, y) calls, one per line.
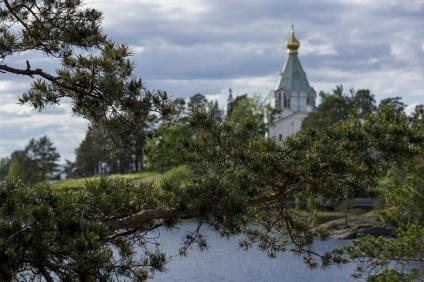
point(336, 106)
point(216, 112)
point(178, 111)
point(101, 86)
point(197, 101)
point(44, 155)
point(163, 152)
point(45, 231)
point(20, 166)
point(394, 102)
point(253, 108)
point(241, 184)
point(400, 259)
point(92, 157)
point(253, 178)
point(4, 167)
point(230, 101)
point(38, 162)
point(179, 175)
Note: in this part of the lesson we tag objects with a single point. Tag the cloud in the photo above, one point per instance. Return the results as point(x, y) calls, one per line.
point(65, 131)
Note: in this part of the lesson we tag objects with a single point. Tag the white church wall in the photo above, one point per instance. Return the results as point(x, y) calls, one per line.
point(302, 101)
point(286, 127)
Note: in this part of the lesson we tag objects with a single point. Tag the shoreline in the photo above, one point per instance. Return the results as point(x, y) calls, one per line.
point(366, 224)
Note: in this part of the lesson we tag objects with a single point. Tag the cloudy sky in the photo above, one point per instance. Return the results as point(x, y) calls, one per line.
point(208, 46)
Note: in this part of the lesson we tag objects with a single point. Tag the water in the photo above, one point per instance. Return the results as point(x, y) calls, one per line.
point(224, 261)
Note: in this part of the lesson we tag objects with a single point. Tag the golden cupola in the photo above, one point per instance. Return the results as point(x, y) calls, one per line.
point(292, 44)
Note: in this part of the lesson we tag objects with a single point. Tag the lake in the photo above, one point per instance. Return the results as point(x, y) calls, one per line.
point(224, 261)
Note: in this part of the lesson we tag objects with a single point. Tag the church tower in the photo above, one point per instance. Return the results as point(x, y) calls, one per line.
point(293, 97)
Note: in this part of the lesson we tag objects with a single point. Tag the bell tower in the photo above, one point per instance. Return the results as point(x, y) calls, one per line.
point(292, 96)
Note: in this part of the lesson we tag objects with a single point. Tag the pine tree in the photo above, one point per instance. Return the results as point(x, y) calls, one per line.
point(239, 178)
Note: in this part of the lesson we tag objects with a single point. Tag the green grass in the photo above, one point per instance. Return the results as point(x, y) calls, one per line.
point(76, 183)
point(325, 216)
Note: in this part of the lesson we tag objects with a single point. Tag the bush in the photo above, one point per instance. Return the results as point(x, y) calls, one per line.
point(179, 174)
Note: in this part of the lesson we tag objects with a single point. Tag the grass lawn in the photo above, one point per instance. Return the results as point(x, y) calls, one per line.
point(80, 182)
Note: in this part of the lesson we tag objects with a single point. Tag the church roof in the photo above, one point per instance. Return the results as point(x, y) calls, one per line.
point(292, 77)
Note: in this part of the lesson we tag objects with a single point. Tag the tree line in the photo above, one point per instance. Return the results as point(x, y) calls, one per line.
point(241, 181)
point(93, 156)
point(37, 162)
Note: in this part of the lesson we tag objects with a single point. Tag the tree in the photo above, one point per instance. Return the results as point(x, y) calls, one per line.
point(163, 152)
point(337, 106)
point(241, 178)
point(20, 166)
point(364, 102)
point(253, 108)
point(333, 108)
point(38, 162)
point(197, 101)
point(4, 167)
point(215, 111)
point(400, 259)
point(242, 185)
point(229, 102)
point(100, 86)
point(92, 157)
point(394, 102)
point(178, 111)
point(44, 158)
point(90, 154)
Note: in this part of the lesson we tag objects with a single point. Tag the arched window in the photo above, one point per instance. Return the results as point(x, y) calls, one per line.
point(286, 100)
point(278, 101)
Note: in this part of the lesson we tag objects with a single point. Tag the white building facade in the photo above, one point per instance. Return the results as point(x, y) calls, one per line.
point(293, 97)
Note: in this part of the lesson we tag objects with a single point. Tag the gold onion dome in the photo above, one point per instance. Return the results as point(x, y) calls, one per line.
point(292, 44)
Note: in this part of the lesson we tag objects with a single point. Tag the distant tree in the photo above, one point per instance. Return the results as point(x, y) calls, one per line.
point(178, 112)
point(95, 155)
point(364, 102)
point(21, 166)
point(90, 154)
point(4, 167)
point(44, 157)
point(333, 108)
point(164, 152)
point(38, 162)
point(229, 102)
point(216, 112)
point(197, 101)
point(418, 114)
point(337, 106)
point(252, 108)
point(233, 104)
point(394, 102)
point(69, 169)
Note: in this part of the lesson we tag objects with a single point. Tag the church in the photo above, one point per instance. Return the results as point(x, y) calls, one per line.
point(292, 97)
